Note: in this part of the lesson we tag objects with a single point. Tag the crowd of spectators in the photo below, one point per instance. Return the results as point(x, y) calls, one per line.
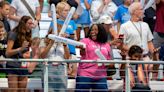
point(128, 25)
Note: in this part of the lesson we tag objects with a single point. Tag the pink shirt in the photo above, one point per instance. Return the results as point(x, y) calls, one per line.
point(92, 69)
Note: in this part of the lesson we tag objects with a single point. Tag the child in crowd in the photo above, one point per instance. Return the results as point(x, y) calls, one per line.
point(138, 73)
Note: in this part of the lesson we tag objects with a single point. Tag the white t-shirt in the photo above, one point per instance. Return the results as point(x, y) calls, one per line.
point(134, 34)
point(109, 10)
point(56, 51)
point(21, 9)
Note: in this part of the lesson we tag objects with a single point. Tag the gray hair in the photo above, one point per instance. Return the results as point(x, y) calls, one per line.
point(134, 6)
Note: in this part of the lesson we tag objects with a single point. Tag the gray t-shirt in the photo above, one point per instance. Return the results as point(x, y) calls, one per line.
point(13, 36)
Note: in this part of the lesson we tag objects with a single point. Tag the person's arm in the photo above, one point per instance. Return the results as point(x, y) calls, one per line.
point(38, 14)
point(151, 47)
point(122, 71)
point(123, 66)
point(100, 9)
point(117, 19)
point(155, 55)
point(45, 50)
point(118, 26)
point(35, 55)
point(122, 74)
point(12, 15)
point(123, 47)
point(113, 32)
point(10, 52)
point(103, 5)
point(87, 5)
point(41, 4)
point(66, 52)
point(155, 58)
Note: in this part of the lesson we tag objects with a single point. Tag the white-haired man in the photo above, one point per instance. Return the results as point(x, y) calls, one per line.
point(137, 32)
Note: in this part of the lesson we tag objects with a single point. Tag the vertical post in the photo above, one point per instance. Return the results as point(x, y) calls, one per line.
point(127, 78)
point(46, 76)
point(160, 72)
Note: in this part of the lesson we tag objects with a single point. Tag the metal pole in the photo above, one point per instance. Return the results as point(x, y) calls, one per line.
point(46, 77)
point(127, 78)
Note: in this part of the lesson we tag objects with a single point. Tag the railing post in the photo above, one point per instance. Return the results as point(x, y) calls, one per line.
point(127, 78)
point(46, 76)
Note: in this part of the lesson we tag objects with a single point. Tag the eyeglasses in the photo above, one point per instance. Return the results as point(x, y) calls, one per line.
point(30, 23)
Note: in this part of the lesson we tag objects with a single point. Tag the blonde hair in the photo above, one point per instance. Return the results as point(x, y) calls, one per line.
point(60, 6)
point(134, 6)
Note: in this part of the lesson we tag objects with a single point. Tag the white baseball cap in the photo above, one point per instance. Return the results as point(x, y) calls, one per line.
point(105, 19)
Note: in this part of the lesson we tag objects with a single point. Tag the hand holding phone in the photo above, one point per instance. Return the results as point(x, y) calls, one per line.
point(121, 36)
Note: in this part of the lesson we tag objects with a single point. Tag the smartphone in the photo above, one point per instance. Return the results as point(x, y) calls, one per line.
point(121, 36)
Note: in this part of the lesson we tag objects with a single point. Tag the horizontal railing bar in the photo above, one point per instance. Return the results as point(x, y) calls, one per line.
point(84, 61)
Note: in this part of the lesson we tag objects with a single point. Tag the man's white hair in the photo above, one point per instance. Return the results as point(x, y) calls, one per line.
point(134, 6)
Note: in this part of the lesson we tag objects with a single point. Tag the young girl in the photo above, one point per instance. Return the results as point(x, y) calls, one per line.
point(138, 74)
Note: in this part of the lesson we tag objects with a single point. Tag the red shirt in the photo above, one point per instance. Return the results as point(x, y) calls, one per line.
point(160, 18)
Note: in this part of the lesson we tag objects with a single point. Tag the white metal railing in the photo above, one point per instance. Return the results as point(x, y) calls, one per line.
point(127, 62)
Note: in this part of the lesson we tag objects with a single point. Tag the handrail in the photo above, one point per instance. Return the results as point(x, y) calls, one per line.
point(86, 61)
point(127, 62)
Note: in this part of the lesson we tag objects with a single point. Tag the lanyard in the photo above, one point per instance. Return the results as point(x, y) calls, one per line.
point(139, 30)
point(98, 46)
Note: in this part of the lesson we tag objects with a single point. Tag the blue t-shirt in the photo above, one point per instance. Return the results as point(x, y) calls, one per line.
point(69, 30)
point(122, 14)
point(85, 16)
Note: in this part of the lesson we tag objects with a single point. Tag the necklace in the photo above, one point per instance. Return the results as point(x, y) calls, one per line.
point(97, 45)
point(139, 31)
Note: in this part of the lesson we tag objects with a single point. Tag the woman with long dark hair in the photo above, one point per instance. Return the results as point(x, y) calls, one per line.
point(18, 43)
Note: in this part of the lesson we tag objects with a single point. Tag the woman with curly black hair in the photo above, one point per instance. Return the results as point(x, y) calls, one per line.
point(93, 75)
